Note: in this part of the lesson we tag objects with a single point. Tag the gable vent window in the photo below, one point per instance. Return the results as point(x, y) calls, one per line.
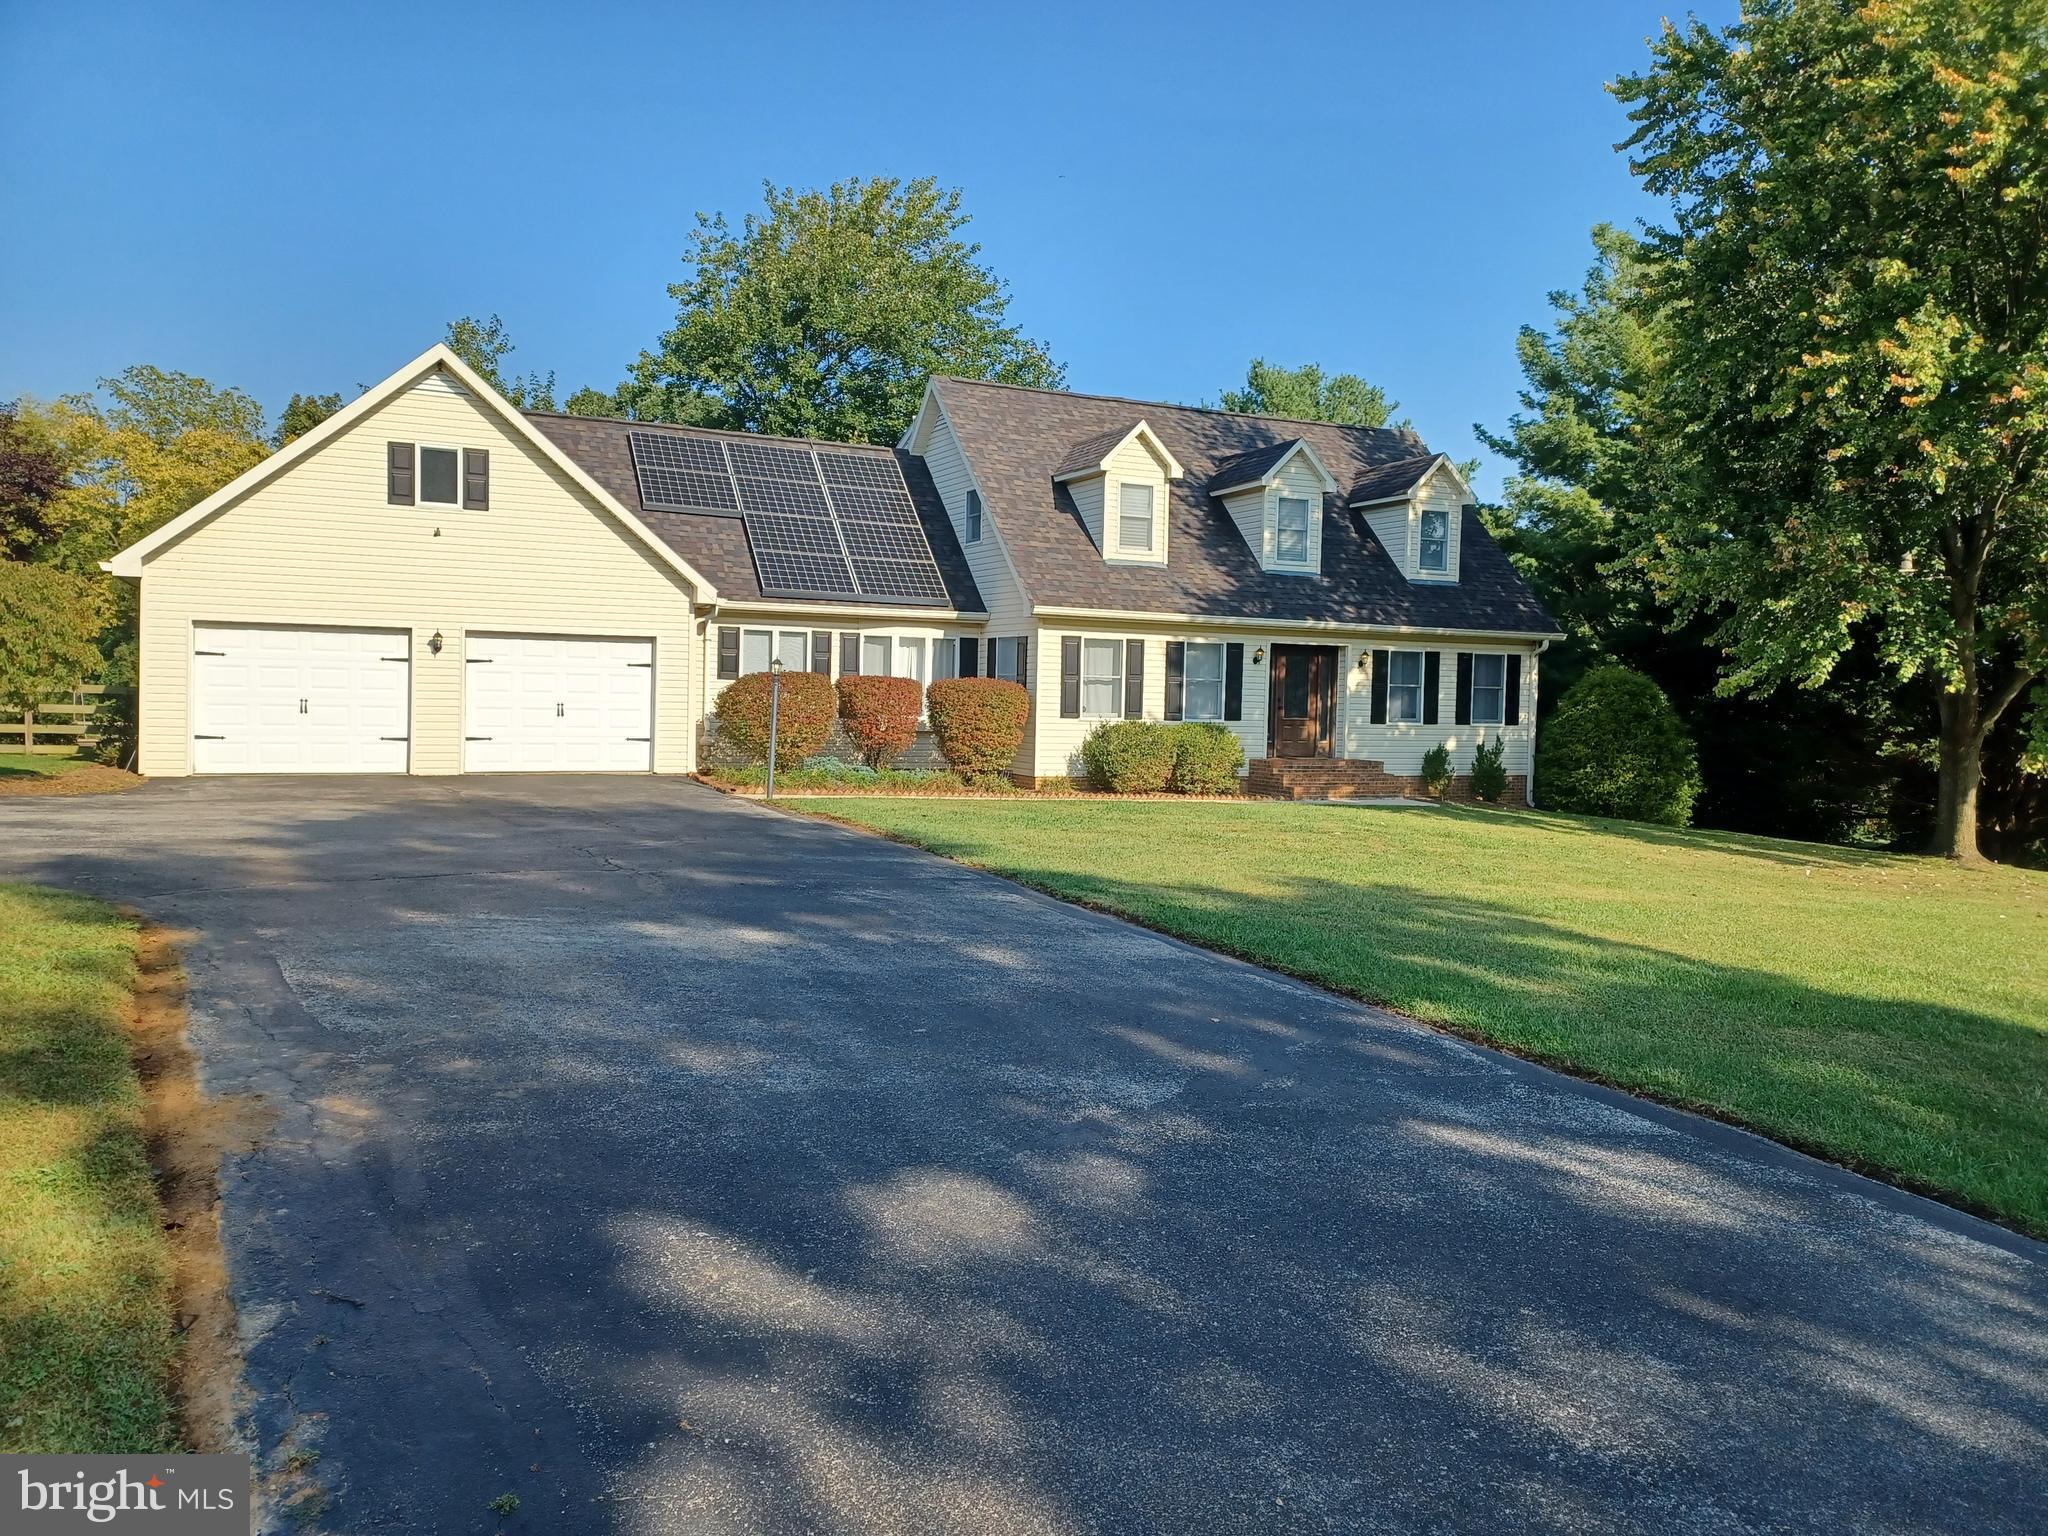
point(1134, 517)
point(440, 476)
point(973, 517)
point(1291, 545)
point(1436, 539)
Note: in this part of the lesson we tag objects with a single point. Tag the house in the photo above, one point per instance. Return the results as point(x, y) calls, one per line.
point(435, 582)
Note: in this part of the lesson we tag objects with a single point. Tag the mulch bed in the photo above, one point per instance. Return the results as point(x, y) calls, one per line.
point(85, 779)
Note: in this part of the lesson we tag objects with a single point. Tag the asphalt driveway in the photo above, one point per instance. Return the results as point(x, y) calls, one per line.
point(683, 1167)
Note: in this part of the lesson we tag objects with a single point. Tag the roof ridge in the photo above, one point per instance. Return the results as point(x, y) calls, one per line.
point(1206, 410)
point(684, 426)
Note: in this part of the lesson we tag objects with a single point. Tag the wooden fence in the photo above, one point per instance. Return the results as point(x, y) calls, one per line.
point(61, 726)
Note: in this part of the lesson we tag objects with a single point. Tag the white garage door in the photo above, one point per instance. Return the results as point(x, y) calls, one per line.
point(273, 700)
point(557, 704)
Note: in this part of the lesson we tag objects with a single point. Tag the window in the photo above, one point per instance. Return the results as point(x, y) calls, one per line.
point(1436, 539)
point(1292, 543)
point(1202, 681)
point(758, 646)
point(1489, 689)
point(973, 517)
point(876, 651)
point(1404, 685)
point(945, 658)
point(1006, 652)
point(910, 658)
point(1134, 518)
point(1102, 677)
point(441, 476)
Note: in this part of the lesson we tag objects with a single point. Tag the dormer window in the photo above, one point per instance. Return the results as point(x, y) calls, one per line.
point(1436, 540)
point(1290, 545)
point(1134, 518)
point(973, 516)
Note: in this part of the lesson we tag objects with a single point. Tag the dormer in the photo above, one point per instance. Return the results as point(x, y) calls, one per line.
point(1121, 481)
point(1416, 509)
point(1275, 496)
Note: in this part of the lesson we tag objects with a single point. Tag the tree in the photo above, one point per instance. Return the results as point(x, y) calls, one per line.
point(165, 406)
point(484, 345)
point(302, 413)
point(31, 474)
point(1305, 394)
point(1857, 281)
point(825, 316)
point(50, 623)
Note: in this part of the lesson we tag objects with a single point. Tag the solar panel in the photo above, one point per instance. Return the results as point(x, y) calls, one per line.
point(821, 523)
point(681, 473)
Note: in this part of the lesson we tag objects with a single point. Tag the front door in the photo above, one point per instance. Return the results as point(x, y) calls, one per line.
point(1304, 696)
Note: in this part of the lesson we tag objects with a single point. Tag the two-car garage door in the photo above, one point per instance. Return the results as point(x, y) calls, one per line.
point(281, 700)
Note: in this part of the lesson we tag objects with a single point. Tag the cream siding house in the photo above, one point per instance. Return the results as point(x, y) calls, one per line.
point(434, 582)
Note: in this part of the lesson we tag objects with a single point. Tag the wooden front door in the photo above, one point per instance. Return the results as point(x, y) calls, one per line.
point(1304, 697)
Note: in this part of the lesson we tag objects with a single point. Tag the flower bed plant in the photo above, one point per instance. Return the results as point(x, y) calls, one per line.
point(880, 715)
point(804, 720)
point(979, 724)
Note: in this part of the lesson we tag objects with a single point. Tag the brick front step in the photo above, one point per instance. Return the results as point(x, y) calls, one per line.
point(1333, 778)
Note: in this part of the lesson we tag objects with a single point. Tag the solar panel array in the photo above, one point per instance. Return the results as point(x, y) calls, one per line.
point(820, 523)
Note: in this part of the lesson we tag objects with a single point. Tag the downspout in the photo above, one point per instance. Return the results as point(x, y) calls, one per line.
point(1535, 684)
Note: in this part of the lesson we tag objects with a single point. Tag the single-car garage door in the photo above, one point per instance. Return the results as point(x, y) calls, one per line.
point(275, 700)
point(557, 704)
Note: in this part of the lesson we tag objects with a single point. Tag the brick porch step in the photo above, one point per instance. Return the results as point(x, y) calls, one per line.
point(1324, 778)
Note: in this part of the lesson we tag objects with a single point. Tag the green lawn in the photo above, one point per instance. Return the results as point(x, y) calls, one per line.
point(39, 765)
point(1890, 1012)
point(85, 1320)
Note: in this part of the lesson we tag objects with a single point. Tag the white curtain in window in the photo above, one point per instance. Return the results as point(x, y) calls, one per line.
point(1203, 682)
point(875, 652)
point(910, 659)
point(1102, 674)
point(756, 647)
point(1292, 543)
point(794, 647)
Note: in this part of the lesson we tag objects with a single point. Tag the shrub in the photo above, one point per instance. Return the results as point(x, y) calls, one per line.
point(1616, 747)
point(1131, 757)
point(805, 716)
point(979, 724)
point(880, 715)
point(1489, 771)
point(1205, 758)
point(1436, 769)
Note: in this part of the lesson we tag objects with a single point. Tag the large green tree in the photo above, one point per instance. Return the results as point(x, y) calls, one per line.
point(31, 474)
point(1308, 394)
point(1856, 276)
point(301, 414)
point(825, 315)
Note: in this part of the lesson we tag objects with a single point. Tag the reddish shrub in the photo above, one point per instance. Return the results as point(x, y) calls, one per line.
point(804, 718)
point(979, 722)
point(880, 715)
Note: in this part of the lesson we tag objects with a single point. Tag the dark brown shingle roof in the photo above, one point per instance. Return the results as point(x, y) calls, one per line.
point(1389, 482)
point(1249, 468)
point(1016, 438)
point(717, 545)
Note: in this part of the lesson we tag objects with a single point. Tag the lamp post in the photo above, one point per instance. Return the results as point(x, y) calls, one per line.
point(774, 717)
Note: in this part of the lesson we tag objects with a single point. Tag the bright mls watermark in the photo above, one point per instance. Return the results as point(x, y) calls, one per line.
point(164, 1495)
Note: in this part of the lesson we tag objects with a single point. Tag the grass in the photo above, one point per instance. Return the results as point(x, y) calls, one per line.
point(1886, 1011)
point(37, 765)
point(86, 1346)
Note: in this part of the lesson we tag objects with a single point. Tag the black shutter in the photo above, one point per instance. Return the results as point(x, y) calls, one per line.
point(849, 653)
point(1176, 678)
point(1134, 679)
point(1070, 677)
point(1464, 704)
point(476, 479)
point(970, 656)
point(1432, 684)
point(821, 651)
point(398, 474)
point(728, 651)
point(1023, 661)
point(988, 658)
point(1233, 681)
point(1380, 667)
point(1511, 706)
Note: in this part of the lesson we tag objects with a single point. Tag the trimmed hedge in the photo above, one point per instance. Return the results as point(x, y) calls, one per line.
point(1206, 757)
point(880, 715)
point(979, 724)
point(804, 719)
point(1131, 757)
point(1490, 769)
point(1436, 770)
point(1616, 747)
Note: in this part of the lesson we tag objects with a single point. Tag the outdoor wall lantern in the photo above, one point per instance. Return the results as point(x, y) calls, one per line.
point(436, 643)
point(1259, 657)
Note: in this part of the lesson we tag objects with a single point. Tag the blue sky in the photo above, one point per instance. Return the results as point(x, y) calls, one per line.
point(299, 198)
